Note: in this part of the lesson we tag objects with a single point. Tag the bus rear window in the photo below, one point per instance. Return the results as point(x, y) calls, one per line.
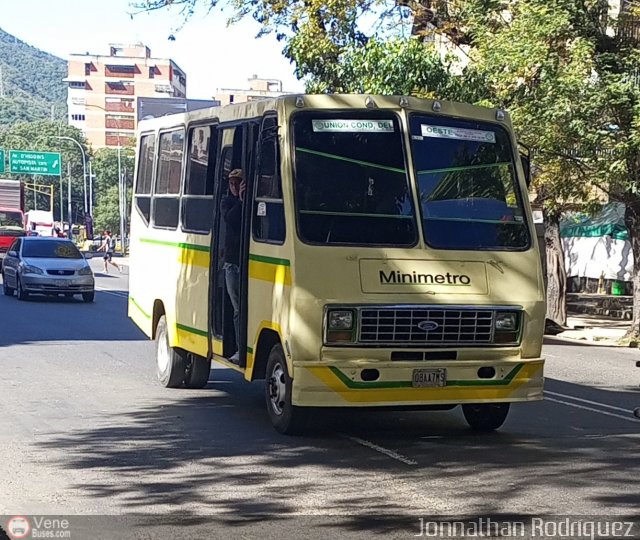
point(469, 196)
point(351, 183)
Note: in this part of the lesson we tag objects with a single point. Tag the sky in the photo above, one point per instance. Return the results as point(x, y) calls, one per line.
point(212, 54)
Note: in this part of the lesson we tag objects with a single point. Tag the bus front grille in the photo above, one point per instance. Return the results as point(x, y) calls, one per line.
point(390, 326)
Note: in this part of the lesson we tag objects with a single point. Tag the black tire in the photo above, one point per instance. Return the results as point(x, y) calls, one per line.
point(198, 370)
point(485, 416)
point(170, 362)
point(284, 416)
point(88, 297)
point(8, 291)
point(22, 294)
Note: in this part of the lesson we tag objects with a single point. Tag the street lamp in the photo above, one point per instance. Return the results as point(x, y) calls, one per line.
point(84, 176)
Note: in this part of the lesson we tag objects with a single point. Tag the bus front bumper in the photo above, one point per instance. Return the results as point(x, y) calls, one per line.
point(342, 384)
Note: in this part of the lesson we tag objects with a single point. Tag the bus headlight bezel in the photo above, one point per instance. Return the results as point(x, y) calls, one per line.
point(340, 326)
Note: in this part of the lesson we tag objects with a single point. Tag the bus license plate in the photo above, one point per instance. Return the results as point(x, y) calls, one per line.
point(429, 377)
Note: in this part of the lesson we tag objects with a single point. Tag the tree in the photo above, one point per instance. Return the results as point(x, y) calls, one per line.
point(42, 136)
point(105, 166)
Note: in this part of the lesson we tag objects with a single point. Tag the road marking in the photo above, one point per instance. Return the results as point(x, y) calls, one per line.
point(119, 294)
point(382, 450)
point(587, 401)
point(628, 418)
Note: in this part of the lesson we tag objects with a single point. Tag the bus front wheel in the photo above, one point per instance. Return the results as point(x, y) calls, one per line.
point(170, 362)
point(485, 416)
point(198, 370)
point(285, 417)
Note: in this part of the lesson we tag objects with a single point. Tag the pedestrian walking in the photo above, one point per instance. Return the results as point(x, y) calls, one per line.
point(108, 246)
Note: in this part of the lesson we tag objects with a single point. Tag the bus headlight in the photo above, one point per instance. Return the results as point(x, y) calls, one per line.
point(506, 321)
point(506, 327)
point(341, 324)
point(340, 320)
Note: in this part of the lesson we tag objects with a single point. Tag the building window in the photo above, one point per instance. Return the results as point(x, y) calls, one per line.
point(77, 84)
point(78, 117)
point(152, 72)
point(87, 68)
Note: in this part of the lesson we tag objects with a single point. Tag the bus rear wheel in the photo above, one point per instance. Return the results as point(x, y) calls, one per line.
point(170, 361)
point(284, 416)
point(485, 416)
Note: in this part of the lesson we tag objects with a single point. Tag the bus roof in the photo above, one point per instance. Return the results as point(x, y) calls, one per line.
point(290, 102)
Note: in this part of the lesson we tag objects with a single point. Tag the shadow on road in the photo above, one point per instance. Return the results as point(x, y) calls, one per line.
point(57, 318)
point(214, 449)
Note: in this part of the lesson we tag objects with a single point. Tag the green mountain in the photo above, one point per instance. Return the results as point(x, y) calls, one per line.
point(31, 85)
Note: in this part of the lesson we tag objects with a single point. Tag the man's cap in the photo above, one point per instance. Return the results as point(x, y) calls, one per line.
point(236, 173)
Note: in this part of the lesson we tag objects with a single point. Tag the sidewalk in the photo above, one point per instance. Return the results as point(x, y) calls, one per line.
point(596, 329)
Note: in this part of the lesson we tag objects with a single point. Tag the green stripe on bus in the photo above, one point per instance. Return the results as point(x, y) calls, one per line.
point(139, 308)
point(181, 245)
point(465, 168)
point(269, 260)
point(349, 160)
point(192, 330)
point(357, 385)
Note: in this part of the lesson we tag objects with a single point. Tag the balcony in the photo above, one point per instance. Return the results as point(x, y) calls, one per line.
point(119, 89)
point(115, 140)
point(119, 107)
point(122, 123)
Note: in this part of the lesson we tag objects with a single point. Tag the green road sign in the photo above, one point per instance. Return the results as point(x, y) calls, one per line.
point(30, 162)
point(1, 160)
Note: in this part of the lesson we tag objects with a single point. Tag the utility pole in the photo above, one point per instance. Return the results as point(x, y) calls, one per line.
point(69, 217)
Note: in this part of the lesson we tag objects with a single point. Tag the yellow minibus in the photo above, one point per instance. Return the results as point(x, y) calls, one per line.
point(349, 250)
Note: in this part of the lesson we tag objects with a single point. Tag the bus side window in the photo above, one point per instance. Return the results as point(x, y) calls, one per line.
point(268, 207)
point(166, 193)
point(145, 176)
point(197, 199)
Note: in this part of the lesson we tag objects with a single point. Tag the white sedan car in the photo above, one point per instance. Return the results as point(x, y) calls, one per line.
point(44, 265)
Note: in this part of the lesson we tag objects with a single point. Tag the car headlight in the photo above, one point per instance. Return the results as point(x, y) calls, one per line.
point(28, 269)
point(341, 325)
point(506, 321)
point(85, 271)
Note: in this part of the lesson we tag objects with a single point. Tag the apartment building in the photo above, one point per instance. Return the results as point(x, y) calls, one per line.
point(258, 89)
point(103, 90)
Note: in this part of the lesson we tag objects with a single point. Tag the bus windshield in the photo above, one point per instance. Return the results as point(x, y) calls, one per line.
point(466, 181)
point(351, 183)
point(10, 219)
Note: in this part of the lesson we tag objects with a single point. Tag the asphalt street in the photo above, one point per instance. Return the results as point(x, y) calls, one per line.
point(86, 430)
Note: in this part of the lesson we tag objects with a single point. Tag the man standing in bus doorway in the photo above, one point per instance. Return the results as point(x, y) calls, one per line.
point(108, 246)
point(231, 208)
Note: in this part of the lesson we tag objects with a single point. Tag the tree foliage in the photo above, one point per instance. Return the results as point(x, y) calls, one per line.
point(44, 136)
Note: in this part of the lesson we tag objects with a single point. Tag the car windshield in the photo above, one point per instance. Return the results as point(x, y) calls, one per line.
point(10, 219)
point(466, 180)
point(50, 249)
point(351, 183)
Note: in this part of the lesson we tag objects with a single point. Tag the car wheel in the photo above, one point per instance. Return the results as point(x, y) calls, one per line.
point(198, 370)
point(170, 361)
point(485, 416)
point(8, 291)
point(22, 294)
point(88, 296)
point(285, 417)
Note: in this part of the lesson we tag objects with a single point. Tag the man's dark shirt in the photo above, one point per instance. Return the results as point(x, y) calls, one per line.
point(232, 214)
